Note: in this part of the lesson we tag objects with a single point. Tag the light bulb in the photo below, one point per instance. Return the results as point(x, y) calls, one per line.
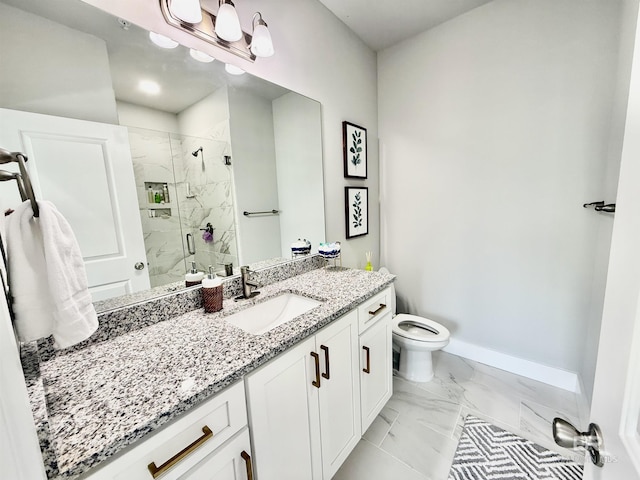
point(228, 23)
point(187, 10)
point(233, 70)
point(200, 56)
point(162, 41)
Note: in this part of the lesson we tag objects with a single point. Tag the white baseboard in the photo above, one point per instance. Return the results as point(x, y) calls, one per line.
point(536, 371)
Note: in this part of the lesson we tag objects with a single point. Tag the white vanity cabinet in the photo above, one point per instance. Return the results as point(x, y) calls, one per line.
point(304, 406)
point(213, 434)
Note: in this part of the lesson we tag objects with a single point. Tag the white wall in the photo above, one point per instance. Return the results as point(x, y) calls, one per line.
point(308, 38)
point(298, 143)
point(254, 174)
point(495, 131)
point(132, 115)
point(82, 89)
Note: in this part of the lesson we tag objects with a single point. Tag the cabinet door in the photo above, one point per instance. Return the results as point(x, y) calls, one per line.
point(230, 462)
point(284, 418)
point(375, 370)
point(339, 392)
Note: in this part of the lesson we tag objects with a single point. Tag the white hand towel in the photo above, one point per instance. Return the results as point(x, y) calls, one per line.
point(47, 277)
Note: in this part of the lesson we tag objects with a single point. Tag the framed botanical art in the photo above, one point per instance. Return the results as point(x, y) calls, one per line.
point(356, 201)
point(354, 147)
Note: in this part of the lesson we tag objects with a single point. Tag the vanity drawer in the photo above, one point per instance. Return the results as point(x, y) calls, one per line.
point(373, 309)
point(194, 436)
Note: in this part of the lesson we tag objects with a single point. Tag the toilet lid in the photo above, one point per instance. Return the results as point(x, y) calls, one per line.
point(419, 328)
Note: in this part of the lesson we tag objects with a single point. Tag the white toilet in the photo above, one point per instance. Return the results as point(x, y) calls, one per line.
point(416, 337)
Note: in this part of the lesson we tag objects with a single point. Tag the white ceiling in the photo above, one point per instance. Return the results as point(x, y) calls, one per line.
point(381, 24)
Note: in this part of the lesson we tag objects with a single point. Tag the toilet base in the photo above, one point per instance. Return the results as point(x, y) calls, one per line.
point(416, 366)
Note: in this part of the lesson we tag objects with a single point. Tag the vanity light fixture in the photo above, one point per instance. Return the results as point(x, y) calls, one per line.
point(261, 44)
point(232, 69)
point(223, 30)
point(200, 56)
point(162, 41)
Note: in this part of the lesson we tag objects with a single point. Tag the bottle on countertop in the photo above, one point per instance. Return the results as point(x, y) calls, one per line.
point(212, 292)
point(193, 276)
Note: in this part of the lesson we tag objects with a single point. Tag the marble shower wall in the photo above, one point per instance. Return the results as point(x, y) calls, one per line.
point(159, 157)
point(152, 156)
point(211, 201)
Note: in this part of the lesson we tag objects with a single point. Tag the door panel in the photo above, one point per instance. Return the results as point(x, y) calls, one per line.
point(616, 395)
point(283, 411)
point(376, 385)
point(75, 164)
point(339, 395)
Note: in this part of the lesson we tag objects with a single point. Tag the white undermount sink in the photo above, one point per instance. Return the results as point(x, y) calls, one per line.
point(264, 316)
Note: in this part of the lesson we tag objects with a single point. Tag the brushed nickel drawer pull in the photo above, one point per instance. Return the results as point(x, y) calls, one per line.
point(326, 361)
point(316, 382)
point(157, 471)
point(378, 310)
point(247, 458)
point(367, 369)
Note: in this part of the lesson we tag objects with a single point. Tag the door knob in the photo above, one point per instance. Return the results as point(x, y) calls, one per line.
point(139, 266)
point(568, 436)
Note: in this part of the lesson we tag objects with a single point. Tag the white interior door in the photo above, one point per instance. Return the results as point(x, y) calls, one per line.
point(616, 398)
point(85, 169)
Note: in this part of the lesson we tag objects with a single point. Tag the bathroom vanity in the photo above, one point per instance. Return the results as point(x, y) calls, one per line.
point(194, 395)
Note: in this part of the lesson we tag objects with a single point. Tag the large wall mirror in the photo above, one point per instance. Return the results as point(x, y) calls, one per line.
point(153, 156)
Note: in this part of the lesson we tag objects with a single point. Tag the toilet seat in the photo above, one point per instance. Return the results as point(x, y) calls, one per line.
point(419, 329)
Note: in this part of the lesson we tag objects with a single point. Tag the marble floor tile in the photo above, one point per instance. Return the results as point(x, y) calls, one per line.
point(419, 429)
point(423, 407)
point(381, 426)
point(536, 424)
point(367, 462)
point(527, 388)
point(420, 447)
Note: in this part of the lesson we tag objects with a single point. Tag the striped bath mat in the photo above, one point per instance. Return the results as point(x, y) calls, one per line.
point(486, 452)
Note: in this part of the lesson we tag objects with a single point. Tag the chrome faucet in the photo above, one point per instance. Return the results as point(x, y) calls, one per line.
point(247, 285)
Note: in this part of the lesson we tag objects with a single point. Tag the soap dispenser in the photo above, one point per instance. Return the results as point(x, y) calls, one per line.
point(212, 292)
point(193, 276)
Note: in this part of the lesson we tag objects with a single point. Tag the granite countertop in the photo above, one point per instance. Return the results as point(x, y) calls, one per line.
point(102, 398)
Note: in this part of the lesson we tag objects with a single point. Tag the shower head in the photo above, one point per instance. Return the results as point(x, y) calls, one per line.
point(195, 152)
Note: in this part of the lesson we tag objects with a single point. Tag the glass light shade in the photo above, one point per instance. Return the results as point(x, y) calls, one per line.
point(162, 41)
point(232, 69)
point(186, 10)
point(228, 23)
point(200, 56)
point(261, 44)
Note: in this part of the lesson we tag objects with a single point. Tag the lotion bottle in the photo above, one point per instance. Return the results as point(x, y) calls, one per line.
point(212, 292)
point(193, 276)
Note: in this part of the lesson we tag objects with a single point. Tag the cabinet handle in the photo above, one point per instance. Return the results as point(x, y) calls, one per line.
point(247, 459)
point(316, 382)
point(326, 361)
point(367, 369)
point(157, 471)
point(377, 310)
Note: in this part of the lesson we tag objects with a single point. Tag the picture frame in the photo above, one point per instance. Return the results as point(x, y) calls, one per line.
point(354, 148)
point(356, 204)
